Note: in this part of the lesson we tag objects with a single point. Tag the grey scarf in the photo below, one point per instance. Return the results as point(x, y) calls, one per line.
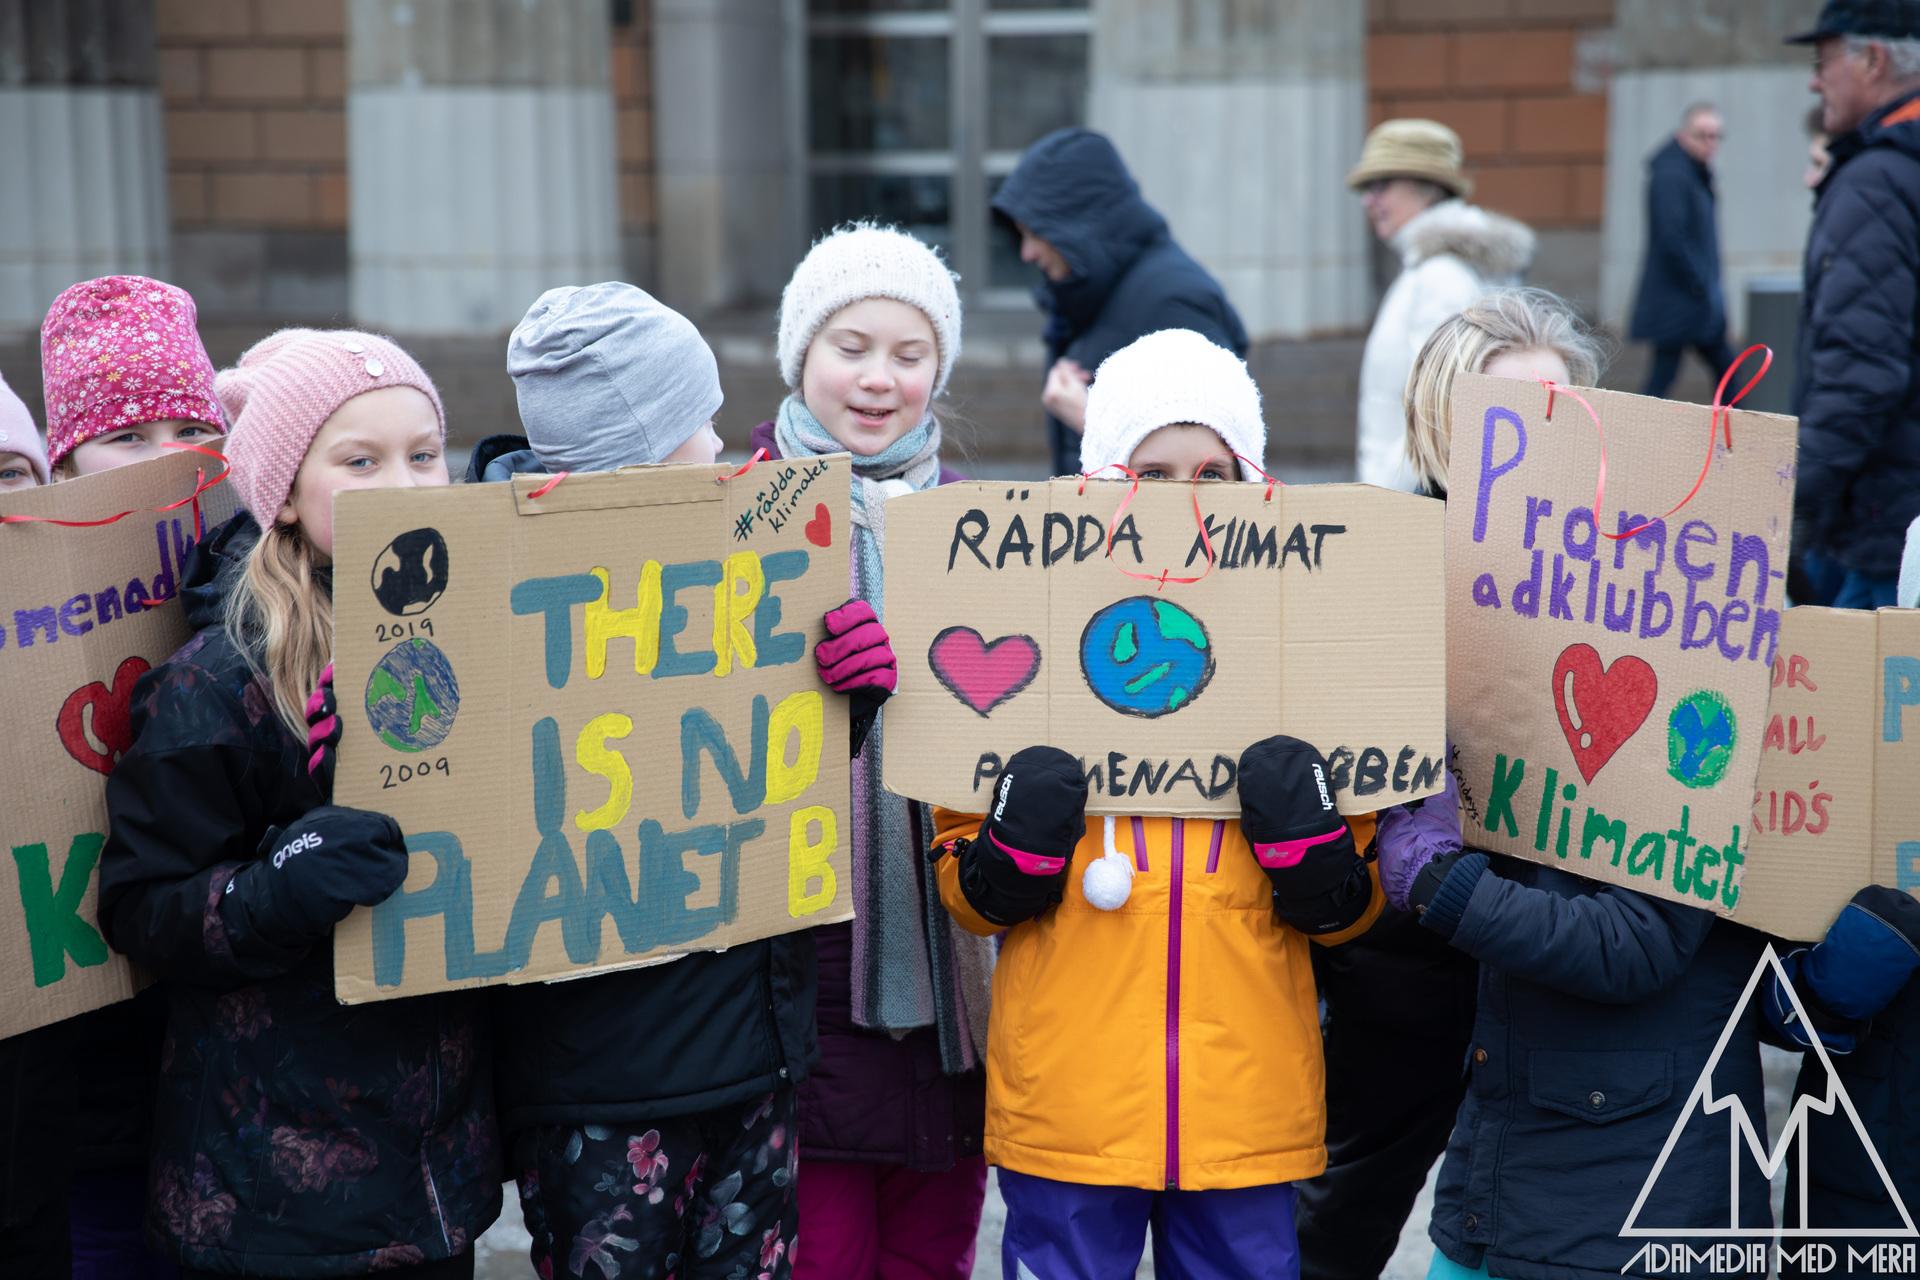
point(911, 966)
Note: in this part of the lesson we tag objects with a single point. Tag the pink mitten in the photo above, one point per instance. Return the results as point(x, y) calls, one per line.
point(856, 655)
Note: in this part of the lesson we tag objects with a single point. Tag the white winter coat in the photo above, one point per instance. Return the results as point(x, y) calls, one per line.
point(1450, 254)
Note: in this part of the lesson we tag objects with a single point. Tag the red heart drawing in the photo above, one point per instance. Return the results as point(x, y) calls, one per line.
point(819, 530)
point(1600, 708)
point(112, 727)
point(980, 674)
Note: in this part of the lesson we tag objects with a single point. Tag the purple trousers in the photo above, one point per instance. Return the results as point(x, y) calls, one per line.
point(1070, 1231)
point(109, 1208)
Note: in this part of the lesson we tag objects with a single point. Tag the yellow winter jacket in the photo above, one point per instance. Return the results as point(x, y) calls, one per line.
point(1193, 991)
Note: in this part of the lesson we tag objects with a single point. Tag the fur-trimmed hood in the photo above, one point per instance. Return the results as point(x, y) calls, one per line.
point(1496, 247)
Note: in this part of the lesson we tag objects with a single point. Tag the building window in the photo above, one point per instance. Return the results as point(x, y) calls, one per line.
point(917, 109)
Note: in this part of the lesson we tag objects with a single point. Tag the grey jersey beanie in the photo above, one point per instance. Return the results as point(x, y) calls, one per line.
point(608, 376)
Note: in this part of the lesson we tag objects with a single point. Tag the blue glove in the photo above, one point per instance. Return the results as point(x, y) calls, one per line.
point(1870, 952)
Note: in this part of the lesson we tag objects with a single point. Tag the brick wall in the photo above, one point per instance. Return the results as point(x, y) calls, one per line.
point(255, 94)
point(1510, 76)
point(633, 122)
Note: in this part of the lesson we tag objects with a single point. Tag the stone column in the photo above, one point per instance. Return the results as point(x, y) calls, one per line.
point(1675, 52)
point(728, 149)
point(481, 162)
point(1240, 119)
point(82, 149)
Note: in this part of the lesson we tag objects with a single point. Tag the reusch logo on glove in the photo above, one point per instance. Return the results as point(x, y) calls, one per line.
point(311, 840)
point(1006, 789)
point(1320, 781)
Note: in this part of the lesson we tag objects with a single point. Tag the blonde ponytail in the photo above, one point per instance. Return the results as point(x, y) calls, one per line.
point(280, 615)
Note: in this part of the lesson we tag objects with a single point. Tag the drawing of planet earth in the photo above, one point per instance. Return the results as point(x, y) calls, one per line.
point(412, 696)
point(1700, 739)
point(1145, 657)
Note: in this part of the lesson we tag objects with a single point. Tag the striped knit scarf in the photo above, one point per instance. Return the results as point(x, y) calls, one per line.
point(911, 967)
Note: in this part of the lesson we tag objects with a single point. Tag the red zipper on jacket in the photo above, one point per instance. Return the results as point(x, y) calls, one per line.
point(1173, 1003)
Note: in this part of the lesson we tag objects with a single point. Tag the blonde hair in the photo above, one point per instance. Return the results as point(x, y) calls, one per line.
point(1504, 321)
point(280, 617)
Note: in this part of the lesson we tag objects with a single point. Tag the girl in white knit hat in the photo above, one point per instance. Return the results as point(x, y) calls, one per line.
point(1118, 1094)
point(1179, 407)
point(891, 1178)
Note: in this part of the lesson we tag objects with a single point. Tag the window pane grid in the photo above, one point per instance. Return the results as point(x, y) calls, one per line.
point(916, 110)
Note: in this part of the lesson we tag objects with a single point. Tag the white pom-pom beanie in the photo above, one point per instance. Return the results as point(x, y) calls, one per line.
point(1171, 376)
point(863, 260)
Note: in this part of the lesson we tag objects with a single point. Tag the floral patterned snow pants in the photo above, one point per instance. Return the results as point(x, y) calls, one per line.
point(708, 1196)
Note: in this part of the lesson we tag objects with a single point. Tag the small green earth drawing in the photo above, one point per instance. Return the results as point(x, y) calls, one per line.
point(1700, 739)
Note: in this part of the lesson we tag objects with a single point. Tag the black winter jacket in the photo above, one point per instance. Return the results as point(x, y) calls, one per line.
point(1599, 1008)
point(710, 1030)
point(1882, 1080)
point(36, 1129)
point(1680, 300)
point(1858, 389)
point(1129, 278)
point(293, 1136)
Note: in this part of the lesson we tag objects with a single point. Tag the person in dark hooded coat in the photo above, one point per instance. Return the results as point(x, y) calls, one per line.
point(1113, 271)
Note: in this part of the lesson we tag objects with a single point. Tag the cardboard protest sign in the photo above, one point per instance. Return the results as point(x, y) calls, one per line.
point(1016, 625)
point(596, 716)
point(1607, 696)
point(1835, 806)
point(84, 613)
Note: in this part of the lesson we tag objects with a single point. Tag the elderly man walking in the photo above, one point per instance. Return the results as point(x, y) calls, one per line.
point(1858, 388)
point(1680, 303)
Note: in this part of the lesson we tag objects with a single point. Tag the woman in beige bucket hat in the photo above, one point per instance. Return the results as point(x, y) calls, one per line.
point(1413, 187)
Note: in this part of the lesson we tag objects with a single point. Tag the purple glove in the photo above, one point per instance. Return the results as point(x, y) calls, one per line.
point(1409, 837)
point(323, 732)
point(856, 655)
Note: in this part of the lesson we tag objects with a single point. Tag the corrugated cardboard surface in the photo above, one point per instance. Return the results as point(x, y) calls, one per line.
point(567, 817)
point(1813, 805)
point(70, 652)
point(1896, 763)
point(1322, 619)
point(1648, 781)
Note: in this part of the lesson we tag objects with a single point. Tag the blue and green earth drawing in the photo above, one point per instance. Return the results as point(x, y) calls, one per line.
point(1700, 739)
point(1146, 657)
point(412, 696)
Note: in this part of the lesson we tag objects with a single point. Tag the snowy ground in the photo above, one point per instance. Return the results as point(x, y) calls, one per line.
point(503, 1250)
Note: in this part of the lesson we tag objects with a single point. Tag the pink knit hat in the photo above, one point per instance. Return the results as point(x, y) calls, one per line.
point(286, 386)
point(118, 352)
point(18, 434)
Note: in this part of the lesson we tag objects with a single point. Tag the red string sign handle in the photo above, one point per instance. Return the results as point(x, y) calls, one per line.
point(553, 483)
point(1719, 424)
point(1167, 575)
point(201, 485)
point(759, 456)
point(1271, 480)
